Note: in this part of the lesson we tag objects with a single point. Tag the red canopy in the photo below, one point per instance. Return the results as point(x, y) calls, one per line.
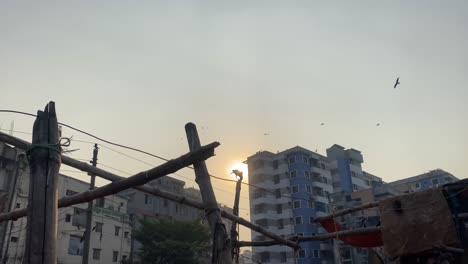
point(356, 240)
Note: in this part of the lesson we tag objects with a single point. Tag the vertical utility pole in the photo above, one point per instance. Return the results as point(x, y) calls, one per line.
point(89, 213)
point(235, 211)
point(44, 164)
point(221, 244)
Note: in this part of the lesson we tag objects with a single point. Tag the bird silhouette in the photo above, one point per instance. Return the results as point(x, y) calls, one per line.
point(322, 124)
point(397, 82)
point(378, 124)
point(266, 134)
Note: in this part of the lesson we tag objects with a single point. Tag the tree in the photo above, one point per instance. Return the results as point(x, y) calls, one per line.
point(172, 242)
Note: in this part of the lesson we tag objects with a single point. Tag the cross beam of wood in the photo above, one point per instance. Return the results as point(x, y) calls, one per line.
point(133, 181)
point(21, 144)
point(335, 235)
point(346, 211)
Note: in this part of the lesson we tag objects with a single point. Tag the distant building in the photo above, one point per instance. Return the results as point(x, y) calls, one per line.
point(146, 206)
point(423, 181)
point(110, 239)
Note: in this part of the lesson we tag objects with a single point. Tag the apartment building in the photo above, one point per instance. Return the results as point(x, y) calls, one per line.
point(424, 181)
point(299, 184)
point(110, 237)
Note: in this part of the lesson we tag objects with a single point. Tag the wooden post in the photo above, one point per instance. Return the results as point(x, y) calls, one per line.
point(221, 242)
point(235, 211)
point(89, 213)
point(44, 164)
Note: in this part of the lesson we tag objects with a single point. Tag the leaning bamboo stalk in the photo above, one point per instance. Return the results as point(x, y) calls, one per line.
point(335, 235)
point(346, 211)
point(126, 183)
point(21, 144)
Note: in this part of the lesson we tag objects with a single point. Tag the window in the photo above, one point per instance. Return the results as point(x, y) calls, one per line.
point(117, 231)
point(98, 227)
point(125, 234)
point(417, 185)
point(435, 182)
point(166, 203)
point(326, 193)
point(322, 166)
point(298, 220)
point(100, 202)
point(67, 218)
point(293, 174)
point(276, 179)
point(305, 159)
point(311, 220)
point(148, 199)
point(14, 239)
point(307, 174)
point(310, 203)
point(316, 253)
point(283, 257)
point(18, 205)
point(75, 246)
point(278, 193)
point(275, 164)
point(295, 189)
point(292, 159)
point(79, 217)
point(308, 188)
point(115, 256)
point(131, 197)
point(367, 182)
point(301, 254)
point(297, 204)
point(279, 208)
point(124, 258)
point(70, 192)
point(96, 253)
point(265, 256)
point(355, 187)
point(325, 180)
point(280, 224)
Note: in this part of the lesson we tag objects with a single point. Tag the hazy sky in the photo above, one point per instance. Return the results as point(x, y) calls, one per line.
point(136, 71)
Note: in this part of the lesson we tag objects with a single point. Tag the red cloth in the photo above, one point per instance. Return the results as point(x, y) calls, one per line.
point(356, 240)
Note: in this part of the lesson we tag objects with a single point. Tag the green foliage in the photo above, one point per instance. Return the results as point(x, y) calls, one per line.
point(166, 242)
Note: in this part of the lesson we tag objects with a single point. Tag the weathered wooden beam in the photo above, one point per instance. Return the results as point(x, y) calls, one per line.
point(277, 239)
point(346, 211)
point(221, 242)
point(121, 184)
point(335, 235)
point(44, 166)
point(21, 144)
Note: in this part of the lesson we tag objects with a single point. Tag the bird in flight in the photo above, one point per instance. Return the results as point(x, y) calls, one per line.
point(396, 83)
point(378, 124)
point(266, 134)
point(322, 124)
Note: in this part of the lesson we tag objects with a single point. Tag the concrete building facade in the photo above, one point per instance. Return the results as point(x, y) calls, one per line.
point(110, 238)
point(295, 187)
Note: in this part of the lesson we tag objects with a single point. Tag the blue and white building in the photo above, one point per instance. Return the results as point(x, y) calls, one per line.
point(298, 185)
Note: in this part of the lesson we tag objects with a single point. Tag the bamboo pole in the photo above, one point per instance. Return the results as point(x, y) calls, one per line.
point(221, 243)
point(335, 235)
point(21, 144)
point(346, 211)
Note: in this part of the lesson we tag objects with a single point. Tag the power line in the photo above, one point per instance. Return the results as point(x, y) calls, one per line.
point(153, 155)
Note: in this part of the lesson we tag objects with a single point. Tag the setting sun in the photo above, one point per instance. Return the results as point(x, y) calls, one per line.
point(239, 166)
